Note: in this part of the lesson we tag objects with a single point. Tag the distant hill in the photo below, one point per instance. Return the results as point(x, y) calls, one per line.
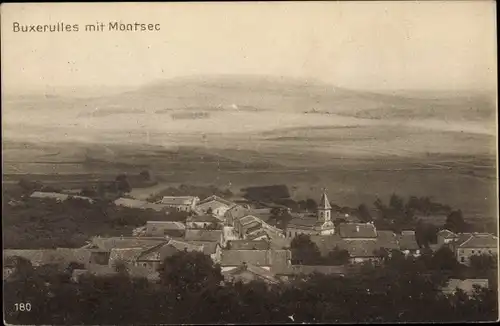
point(198, 110)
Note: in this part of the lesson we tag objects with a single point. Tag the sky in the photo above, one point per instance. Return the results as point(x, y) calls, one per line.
point(359, 45)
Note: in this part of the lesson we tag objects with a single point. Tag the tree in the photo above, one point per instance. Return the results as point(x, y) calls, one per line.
point(364, 213)
point(483, 262)
point(122, 183)
point(146, 175)
point(29, 186)
point(455, 222)
point(311, 205)
point(304, 251)
point(396, 203)
point(189, 272)
point(425, 234)
point(444, 260)
point(338, 257)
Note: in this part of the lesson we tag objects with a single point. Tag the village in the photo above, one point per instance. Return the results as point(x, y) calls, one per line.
point(248, 241)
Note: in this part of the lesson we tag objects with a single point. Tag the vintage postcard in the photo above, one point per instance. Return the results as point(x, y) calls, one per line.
point(249, 162)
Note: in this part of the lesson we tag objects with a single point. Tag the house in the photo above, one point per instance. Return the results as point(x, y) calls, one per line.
point(204, 235)
point(164, 228)
point(103, 271)
point(139, 204)
point(321, 225)
point(49, 195)
point(445, 237)
point(357, 231)
point(477, 244)
point(203, 222)
point(360, 250)
point(229, 234)
point(149, 257)
point(152, 258)
point(468, 286)
point(248, 245)
point(60, 256)
point(58, 196)
point(267, 259)
point(293, 271)
point(108, 243)
point(180, 203)
point(408, 243)
point(215, 206)
point(249, 226)
point(247, 272)
point(235, 213)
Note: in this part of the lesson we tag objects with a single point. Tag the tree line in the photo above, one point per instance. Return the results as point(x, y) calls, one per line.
point(191, 291)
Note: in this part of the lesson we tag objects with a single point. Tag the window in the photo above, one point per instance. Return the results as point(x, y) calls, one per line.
point(462, 259)
point(489, 251)
point(144, 264)
point(472, 251)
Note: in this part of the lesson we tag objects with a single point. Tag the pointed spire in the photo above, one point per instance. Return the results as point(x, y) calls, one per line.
point(324, 202)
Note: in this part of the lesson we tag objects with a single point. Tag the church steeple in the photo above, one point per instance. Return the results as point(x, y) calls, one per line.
point(324, 208)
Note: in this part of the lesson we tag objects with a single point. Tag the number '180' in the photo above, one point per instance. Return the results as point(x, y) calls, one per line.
point(23, 306)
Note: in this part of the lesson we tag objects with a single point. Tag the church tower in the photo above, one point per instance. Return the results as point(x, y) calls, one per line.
point(324, 209)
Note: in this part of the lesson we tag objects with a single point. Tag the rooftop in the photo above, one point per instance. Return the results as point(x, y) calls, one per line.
point(480, 240)
point(324, 203)
point(408, 242)
point(249, 245)
point(216, 198)
point(203, 235)
point(357, 230)
point(178, 200)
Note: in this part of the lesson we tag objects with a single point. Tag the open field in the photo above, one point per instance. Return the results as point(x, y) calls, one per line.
point(464, 182)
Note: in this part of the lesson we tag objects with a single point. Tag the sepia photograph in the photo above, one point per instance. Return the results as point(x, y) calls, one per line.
point(291, 162)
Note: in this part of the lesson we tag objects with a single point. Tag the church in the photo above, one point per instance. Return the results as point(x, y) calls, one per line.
point(320, 224)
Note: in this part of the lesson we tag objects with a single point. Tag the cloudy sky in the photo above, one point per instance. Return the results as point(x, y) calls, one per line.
point(359, 45)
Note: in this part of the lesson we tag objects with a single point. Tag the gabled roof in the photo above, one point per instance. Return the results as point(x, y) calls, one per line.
point(260, 272)
point(109, 243)
point(217, 199)
point(257, 234)
point(178, 200)
point(238, 257)
point(54, 195)
point(208, 247)
point(480, 240)
point(236, 212)
point(139, 204)
point(167, 225)
point(185, 245)
point(203, 219)
point(248, 219)
point(203, 235)
point(324, 203)
point(303, 223)
point(309, 269)
point(357, 230)
point(408, 242)
point(447, 234)
point(361, 248)
point(249, 245)
point(255, 257)
point(124, 254)
point(327, 243)
point(387, 240)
